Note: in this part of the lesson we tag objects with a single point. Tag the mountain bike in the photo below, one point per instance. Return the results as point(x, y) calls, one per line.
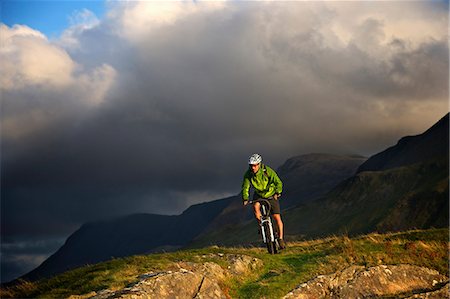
point(268, 234)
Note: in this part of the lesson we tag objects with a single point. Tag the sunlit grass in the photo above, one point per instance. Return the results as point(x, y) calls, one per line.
point(300, 262)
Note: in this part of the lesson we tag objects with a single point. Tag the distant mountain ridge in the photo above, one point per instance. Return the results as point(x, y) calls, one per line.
point(343, 195)
point(308, 177)
point(129, 235)
point(384, 195)
point(412, 149)
point(380, 201)
point(146, 233)
point(305, 178)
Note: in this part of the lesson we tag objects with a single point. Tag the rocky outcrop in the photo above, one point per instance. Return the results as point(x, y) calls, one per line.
point(443, 292)
point(198, 280)
point(380, 281)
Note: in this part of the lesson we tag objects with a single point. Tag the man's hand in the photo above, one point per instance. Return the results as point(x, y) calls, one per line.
point(276, 196)
point(245, 202)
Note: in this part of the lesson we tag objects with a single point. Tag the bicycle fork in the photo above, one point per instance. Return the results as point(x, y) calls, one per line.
point(264, 219)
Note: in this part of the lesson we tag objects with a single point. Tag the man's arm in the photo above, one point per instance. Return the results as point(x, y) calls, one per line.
point(276, 181)
point(245, 189)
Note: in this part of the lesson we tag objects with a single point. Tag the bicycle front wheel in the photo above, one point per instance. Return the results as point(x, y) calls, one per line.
point(271, 248)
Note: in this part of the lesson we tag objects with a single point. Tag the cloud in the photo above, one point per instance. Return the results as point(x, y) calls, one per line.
point(21, 256)
point(80, 21)
point(29, 59)
point(137, 19)
point(158, 105)
point(83, 18)
point(42, 85)
point(159, 92)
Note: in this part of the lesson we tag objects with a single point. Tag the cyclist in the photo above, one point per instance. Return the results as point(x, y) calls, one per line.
point(267, 185)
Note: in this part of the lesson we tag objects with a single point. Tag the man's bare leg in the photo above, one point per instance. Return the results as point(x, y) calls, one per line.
point(257, 211)
point(277, 218)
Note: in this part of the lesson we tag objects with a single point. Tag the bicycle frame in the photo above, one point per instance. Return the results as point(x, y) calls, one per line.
point(268, 235)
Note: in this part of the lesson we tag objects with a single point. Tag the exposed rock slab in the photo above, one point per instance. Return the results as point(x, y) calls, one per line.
point(443, 292)
point(361, 282)
point(191, 280)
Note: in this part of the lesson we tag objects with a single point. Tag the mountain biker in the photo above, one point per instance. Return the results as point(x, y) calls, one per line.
point(267, 185)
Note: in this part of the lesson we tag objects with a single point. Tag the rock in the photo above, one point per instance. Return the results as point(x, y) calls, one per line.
point(361, 282)
point(88, 295)
point(103, 294)
point(179, 284)
point(208, 269)
point(241, 264)
point(191, 280)
point(443, 292)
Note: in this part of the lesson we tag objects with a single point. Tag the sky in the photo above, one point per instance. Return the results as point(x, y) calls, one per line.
point(112, 108)
point(49, 17)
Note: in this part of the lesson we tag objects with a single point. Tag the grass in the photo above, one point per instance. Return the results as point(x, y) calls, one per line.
point(300, 262)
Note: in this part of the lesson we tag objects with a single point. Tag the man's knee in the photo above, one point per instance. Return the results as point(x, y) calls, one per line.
point(277, 217)
point(257, 211)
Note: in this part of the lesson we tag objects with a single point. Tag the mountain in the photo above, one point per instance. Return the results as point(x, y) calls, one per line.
point(403, 187)
point(124, 236)
point(412, 149)
point(308, 176)
point(397, 199)
point(305, 178)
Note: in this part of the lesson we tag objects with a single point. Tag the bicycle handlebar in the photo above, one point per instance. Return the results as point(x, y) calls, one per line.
point(251, 201)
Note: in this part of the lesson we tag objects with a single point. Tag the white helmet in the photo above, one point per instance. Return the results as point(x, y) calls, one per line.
point(254, 159)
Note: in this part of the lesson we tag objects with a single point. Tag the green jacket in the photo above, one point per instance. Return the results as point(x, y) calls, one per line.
point(266, 182)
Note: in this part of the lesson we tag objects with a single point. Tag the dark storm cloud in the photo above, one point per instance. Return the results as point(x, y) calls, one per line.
point(157, 113)
point(23, 255)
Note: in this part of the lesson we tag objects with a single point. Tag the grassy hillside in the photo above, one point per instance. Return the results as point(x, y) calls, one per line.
point(128, 235)
point(308, 177)
point(414, 196)
point(408, 197)
point(305, 178)
point(280, 273)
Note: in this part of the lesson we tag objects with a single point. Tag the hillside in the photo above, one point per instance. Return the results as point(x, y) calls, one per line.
point(136, 234)
point(403, 187)
point(383, 195)
point(376, 265)
point(124, 236)
point(308, 177)
point(305, 178)
point(392, 200)
point(386, 198)
point(409, 150)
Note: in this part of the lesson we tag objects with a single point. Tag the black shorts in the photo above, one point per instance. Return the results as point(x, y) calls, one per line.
point(274, 204)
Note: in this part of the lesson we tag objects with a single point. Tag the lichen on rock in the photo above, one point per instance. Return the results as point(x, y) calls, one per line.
point(373, 282)
point(190, 280)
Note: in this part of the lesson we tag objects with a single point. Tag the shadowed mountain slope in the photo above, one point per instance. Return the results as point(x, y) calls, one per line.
point(144, 233)
point(412, 149)
point(311, 176)
point(404, 187)
point(392, 200)
point(305, 178)
point(134, 234)
point(385, 195)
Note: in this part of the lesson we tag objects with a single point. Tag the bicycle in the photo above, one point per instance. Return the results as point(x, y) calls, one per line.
point(268, 234)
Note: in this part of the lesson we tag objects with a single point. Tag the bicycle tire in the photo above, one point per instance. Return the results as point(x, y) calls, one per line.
point(276, 246)
point(270, 245)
